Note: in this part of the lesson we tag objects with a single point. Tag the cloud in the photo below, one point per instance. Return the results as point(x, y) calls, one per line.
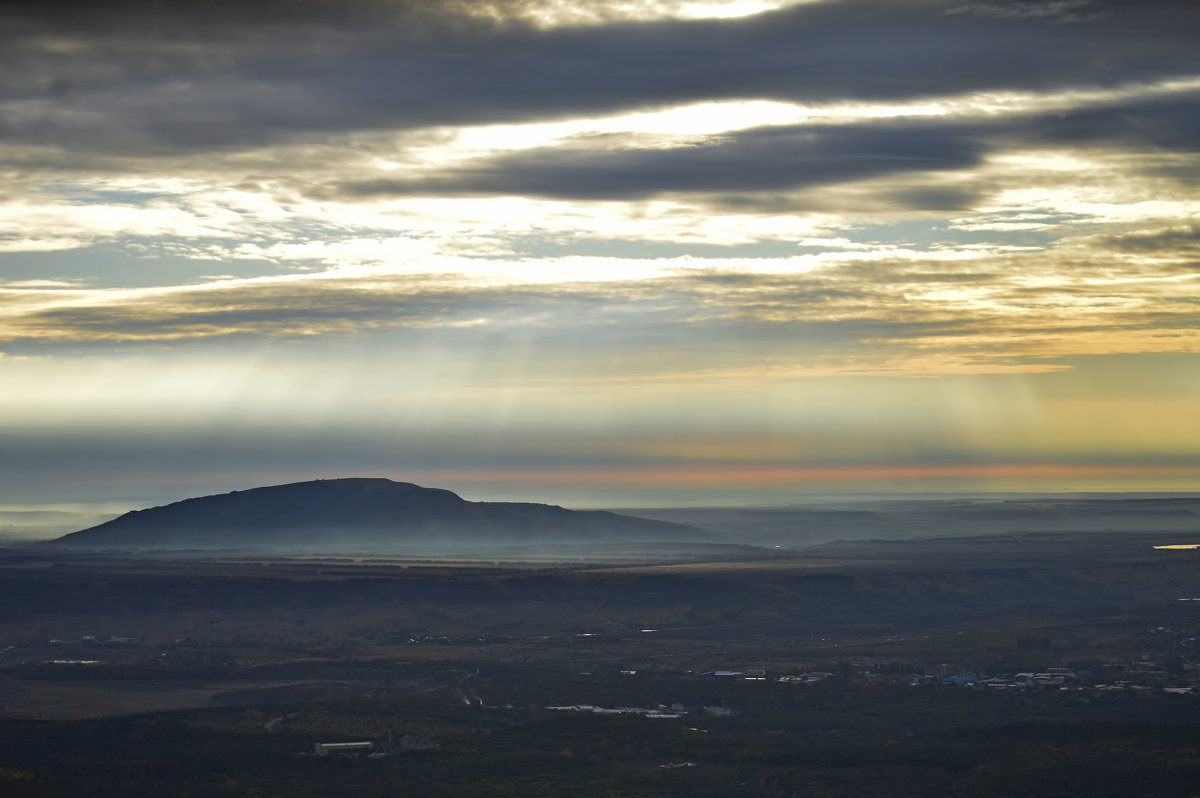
point(1175, 242)
point(274, 125)
point(146, 79)
point(771, 159)
point(247, 237)
point(1057, 10)
point(877, 310)
point(781, 158)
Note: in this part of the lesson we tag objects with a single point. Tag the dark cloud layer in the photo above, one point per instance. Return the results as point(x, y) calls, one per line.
point(759, 160)
point(144, 77)
point(1183, 242)
point(784, 158)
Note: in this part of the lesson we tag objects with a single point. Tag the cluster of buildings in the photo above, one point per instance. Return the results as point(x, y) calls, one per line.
point(806, 678)
point(660, 711)
point(409, 742)
point(92, 640)
point(749, 675)
point(1142, 674)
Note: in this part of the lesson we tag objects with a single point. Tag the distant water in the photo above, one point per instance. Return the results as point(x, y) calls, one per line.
point(34, 523)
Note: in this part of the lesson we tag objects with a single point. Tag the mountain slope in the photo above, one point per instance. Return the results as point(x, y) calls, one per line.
point(364, 513)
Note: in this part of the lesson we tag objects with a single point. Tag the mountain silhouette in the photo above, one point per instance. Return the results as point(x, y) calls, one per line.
point(365, 513)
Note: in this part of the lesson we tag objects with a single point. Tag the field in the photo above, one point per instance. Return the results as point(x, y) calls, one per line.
point(825, 671)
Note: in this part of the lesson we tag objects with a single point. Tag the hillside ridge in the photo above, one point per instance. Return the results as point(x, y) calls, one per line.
point(364, 512)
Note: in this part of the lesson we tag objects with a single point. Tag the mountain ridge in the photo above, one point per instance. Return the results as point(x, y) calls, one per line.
point(364, 512)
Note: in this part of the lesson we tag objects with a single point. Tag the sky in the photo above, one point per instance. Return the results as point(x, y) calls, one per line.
point(614, 253)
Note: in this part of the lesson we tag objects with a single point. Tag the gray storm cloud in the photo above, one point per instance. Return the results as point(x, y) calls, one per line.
point(138, 79)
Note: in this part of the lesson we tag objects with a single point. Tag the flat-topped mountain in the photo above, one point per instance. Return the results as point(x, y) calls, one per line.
point(365, 514)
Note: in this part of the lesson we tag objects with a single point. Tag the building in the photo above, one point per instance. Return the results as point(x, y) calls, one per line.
point(325, 749)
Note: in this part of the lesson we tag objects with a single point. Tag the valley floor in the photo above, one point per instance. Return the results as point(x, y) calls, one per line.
point(1051, 664)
